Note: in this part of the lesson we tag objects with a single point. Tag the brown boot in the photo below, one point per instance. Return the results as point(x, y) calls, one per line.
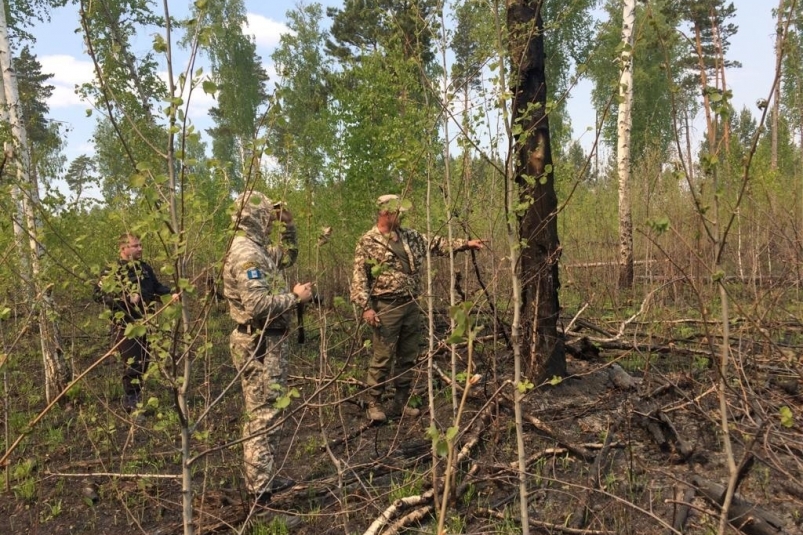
point(400, 407)
point(375, 411)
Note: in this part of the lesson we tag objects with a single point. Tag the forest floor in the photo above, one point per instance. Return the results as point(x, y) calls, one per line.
point(631, 442)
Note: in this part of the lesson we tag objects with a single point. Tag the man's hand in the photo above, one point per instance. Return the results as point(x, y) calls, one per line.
point(371, 317)
point(475, 244)
point(303, 292)
point(174, 297)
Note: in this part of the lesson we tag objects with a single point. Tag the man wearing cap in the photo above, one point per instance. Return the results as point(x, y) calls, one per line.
point(260, 302)
point(385, 285)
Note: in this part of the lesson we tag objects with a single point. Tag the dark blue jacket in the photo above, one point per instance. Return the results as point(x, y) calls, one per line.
point(117, 284)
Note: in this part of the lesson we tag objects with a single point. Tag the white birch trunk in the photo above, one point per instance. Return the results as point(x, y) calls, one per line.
point(624, 125)
point(18, 216)
point(776, 98)
point(56, 370)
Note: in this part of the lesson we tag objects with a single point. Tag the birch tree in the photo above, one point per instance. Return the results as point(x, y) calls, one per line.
point(57, 372)
point(624, 124)
point(776, 97)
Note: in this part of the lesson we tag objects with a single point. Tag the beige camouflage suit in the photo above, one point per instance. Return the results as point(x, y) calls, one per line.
point(387, 278)
point(259, 301)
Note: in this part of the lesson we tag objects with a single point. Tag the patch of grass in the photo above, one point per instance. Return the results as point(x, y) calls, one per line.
point(52, 510)
point(409, 486)
point(701, 363)
point(633, 362)
point(277, 526)
point(25, 490)
point(507, 526)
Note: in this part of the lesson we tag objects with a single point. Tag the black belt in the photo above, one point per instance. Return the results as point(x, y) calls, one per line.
point(247, 328)
point(394, 300)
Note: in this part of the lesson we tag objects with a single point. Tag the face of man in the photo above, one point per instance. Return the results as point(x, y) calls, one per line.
point(131, 250)
point(391, 219)
point(395, 219)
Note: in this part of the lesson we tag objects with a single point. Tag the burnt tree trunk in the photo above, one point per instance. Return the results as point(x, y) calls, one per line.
point(538, 225)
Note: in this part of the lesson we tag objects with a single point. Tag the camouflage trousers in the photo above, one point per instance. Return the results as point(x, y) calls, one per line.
point(396, 344)
point(262, 363)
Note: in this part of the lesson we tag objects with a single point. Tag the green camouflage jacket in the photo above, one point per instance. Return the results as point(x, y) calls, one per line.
point(378, 273)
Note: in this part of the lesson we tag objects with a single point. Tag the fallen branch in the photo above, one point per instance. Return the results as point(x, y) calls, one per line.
point(546, 525)
point(742, 514)
point(578, 519)
point(683, 498)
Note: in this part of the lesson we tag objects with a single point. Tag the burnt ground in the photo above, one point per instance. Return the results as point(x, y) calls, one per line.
point(629, 443)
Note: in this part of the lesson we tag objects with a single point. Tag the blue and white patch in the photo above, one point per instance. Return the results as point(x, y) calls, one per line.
point(253, 274)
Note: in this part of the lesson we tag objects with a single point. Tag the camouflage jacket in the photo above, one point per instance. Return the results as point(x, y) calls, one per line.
point(253, 282)
point(378, 273)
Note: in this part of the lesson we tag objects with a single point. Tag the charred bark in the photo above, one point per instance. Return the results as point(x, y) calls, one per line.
point(538, 225)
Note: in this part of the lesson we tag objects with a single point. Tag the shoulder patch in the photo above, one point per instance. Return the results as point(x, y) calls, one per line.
point(253, 273)
point(249, 265)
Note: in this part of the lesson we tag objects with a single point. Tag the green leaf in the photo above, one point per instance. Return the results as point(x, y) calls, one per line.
point(555, 381)
point(451, 433)
point(377, 270)
point(159, 43)
point(5, 313)
point(442, 448)
point(135, 330)
point(209, 87)
point(787, 417)
point(455, 339)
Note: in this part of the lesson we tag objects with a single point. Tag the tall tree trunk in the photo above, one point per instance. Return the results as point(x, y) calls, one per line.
point(538, 225)
point(57, 373)
point(18, 217)
point(624, 125)
point(776, 98)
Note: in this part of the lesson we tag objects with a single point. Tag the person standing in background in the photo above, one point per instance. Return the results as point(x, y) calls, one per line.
point(128, 288)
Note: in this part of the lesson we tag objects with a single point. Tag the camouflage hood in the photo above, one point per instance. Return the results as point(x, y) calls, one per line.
point(253, 214)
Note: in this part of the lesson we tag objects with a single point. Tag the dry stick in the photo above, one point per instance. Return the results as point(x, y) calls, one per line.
point(743, 515)
point(546, 525)
point(748, 459)
point(426, 499)
point(681, 508)
point(498, 323)
point(56, 399)
point(686, 450)
point(116, 475)
point(562, 440)
point(408, 519)
point(579, 516)
point(399, 505)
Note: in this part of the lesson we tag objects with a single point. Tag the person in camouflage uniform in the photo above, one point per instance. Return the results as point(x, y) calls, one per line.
point(260, 302)
point(129, 288)
point(385, 285)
